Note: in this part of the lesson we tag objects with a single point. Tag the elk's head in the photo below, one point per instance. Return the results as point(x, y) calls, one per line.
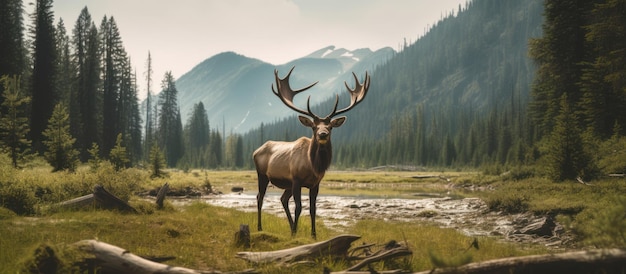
point(321, 126)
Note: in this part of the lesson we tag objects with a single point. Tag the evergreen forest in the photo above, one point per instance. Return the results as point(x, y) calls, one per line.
point(497, 85)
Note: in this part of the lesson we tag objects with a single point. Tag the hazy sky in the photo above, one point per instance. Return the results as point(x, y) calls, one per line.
point(182, 33)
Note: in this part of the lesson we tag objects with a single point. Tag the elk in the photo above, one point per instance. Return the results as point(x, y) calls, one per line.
point(302, 163)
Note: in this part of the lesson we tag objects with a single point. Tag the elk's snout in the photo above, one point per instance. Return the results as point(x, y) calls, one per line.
point(322, 137)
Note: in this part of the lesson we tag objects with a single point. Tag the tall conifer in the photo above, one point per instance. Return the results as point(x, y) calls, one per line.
point(43, 92)
point(13, 120)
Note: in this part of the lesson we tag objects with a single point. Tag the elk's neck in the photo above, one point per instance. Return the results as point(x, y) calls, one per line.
point(321, 156)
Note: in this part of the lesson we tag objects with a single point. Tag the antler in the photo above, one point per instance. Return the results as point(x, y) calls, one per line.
point(356, 95)
point(286, 94)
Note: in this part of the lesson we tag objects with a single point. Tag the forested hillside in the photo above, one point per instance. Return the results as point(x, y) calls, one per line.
point(458, 95)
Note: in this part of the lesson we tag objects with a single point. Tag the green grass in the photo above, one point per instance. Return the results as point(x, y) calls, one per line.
point(431, 244)
point(201, 236)
point(595, 213)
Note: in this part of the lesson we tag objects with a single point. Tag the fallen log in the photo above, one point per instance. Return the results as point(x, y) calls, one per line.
point(588, 261)
point(335, 247)
point(424, 176)
point(100, 198)
point(113, 259)
point(76, 203)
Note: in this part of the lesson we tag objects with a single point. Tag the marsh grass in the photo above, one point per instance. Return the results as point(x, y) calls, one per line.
point(436, 247)
point(595, 213)
point(201, 236)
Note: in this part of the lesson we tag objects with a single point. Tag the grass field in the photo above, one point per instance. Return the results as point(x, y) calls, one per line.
point(201, 236)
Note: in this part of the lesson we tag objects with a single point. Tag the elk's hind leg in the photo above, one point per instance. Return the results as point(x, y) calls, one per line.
point(285, 201)
point(263, 182)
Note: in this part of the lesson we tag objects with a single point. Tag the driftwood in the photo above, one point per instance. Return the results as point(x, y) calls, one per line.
point(425, 176)
point(335, 247)
point(161, 195)
point(113, 259)
point(80, 202)
point(589, 261)
point(99, 198)
point(429, 176)
point(393, 252)
point(580, 180)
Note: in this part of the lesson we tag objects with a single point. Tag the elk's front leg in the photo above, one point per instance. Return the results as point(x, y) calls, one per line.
point(313, 207)
point(263, 182)
point(285, 201)
point(297, 198)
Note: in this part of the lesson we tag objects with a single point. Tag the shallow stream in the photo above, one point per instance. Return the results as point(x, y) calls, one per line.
point(467, 215)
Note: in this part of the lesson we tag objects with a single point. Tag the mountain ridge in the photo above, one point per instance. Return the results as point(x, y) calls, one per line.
point(235, 89)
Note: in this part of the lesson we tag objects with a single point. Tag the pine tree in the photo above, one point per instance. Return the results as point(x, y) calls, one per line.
point(197, 136)
point(94, 157)
point(215, 149)
point(114, 60)
point(170, 125)
point(12, 54)
point(13, 120)
point(60, 153)
point(603, 85)
point(88, 125)
point(565, 157)
point(66, 88)
point(157, 161)
point(560, 54)
point(43, 92)
point(133, 120)
point(118, 156)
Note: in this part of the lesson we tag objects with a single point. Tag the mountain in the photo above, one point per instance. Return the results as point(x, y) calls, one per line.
point(235, 89)
point(458, 94)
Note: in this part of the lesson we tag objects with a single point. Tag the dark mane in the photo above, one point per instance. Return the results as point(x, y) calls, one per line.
point(321, 156)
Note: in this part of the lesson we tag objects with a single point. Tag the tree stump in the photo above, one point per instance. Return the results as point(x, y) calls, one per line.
point(161, 195)
point(242, 237)
point(110, 201)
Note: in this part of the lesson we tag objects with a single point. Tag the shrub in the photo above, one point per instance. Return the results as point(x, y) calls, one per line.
point(519, 173)
point(603, 225)
point(507, 202)
point(18, 197)
point(118, 156)
point(6, 213)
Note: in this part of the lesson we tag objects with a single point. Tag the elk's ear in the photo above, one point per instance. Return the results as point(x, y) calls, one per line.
point(306, 121)
point(337, 122)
